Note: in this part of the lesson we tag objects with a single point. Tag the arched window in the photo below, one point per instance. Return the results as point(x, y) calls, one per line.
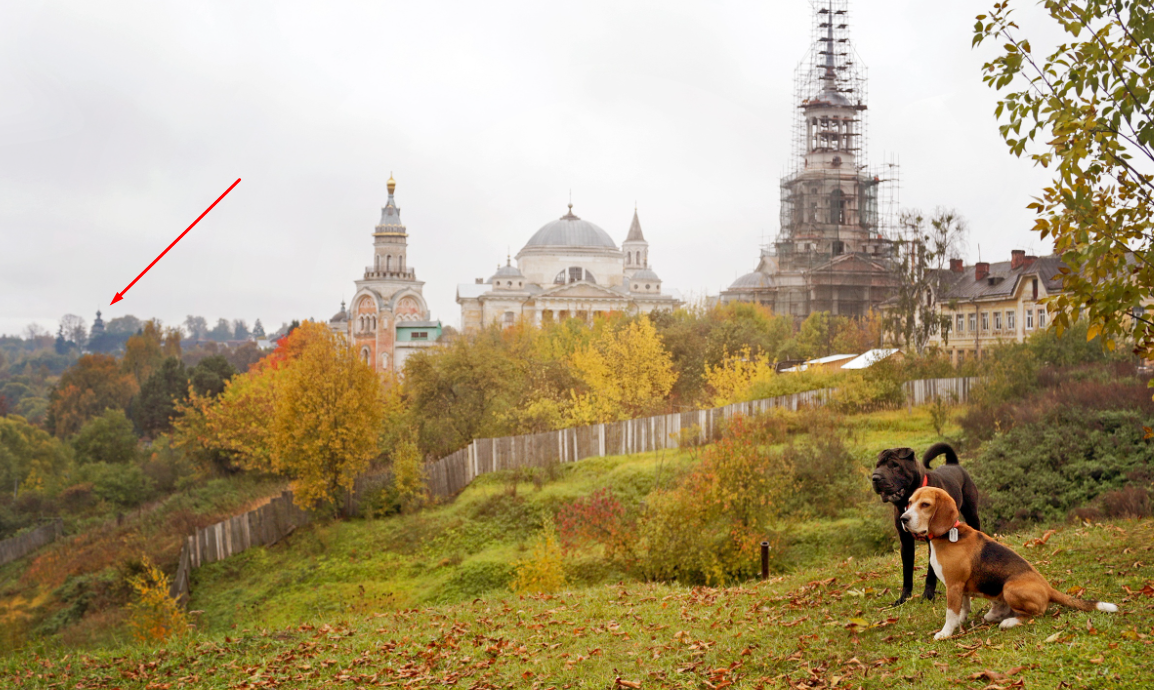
point(837, 207)
point(366, 355)
point(572, 275)
point(389, 263)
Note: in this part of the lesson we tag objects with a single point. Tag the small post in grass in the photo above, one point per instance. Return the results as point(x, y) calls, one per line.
point(764, 560)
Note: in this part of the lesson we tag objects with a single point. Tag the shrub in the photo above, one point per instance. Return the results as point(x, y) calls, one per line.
point(1042, 470)
point(408, 476)
point(108, 438)
point(123, 485)
point(827, 479)
point(599, 519)
point(708, 528)
point(544, 570)
point(155, 616)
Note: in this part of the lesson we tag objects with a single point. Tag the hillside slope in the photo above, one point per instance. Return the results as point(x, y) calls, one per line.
point(821, 627)
point(466, 548)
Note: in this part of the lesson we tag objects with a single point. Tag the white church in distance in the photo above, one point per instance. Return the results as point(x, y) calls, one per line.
point(570, 268)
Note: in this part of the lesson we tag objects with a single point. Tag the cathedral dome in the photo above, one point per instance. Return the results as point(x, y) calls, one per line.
point(571, 231)
point(752, 280)
point(646, 274)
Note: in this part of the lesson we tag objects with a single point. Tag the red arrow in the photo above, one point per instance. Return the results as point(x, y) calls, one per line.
point(120, 295)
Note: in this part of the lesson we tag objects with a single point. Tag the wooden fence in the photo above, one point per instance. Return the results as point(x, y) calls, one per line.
point(261, 526)
point(451, 474)
point(20, 546)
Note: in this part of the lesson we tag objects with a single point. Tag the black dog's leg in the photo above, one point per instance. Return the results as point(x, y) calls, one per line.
point(970, 513)
point(931, 579)
point(907, 541)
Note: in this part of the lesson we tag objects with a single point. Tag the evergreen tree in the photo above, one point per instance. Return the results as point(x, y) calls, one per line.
point(240, 330)
point(257, 330)
point(210, 374)
point(155, 406)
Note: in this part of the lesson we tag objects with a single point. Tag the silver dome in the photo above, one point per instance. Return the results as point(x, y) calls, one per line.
point(752, 280)
point(646, 274)
point(507, 271)
point(570, 231)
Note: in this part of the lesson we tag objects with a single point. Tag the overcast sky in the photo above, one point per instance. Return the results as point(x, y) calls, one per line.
point(121, 122)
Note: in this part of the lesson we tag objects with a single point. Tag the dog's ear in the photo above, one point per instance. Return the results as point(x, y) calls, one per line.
point(945, 513)
point(905, 454)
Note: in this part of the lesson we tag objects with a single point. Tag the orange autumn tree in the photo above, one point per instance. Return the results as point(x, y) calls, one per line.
point(310, 411)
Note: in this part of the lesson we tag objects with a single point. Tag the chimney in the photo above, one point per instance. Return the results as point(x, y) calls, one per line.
point(1017, 259)
point(956, 266)
point(981, 270)
point(1029, 261)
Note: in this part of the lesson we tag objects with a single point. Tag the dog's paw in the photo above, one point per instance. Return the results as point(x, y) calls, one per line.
point(942, 634)
point(928, 596)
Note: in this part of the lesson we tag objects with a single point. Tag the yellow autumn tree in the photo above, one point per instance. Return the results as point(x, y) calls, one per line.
point(328, 418)
point(734, 374)
point(626, 372)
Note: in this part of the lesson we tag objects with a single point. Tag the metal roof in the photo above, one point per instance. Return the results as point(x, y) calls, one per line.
point(752, 280)
point(1001, 281)
point(635, 230)
point(869, 359)
point(419, 324)
point(570, 231)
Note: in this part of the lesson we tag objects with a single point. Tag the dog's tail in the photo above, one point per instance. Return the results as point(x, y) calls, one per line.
point(1081, 604)
point(940, 449)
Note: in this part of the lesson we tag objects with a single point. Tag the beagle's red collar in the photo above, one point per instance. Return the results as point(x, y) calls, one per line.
point(943, 535)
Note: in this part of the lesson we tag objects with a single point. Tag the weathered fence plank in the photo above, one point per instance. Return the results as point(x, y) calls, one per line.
point(21, 545)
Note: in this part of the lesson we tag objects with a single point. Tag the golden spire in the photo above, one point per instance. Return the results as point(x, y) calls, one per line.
point(392, 182)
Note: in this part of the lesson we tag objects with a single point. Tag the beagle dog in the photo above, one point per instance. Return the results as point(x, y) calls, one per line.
point(969, 562)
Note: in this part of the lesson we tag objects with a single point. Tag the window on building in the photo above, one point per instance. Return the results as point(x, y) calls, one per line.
point(997, 321)
point(960, 324)
point(973, 323)
point(961, 357)
point(572, 275)
point(510, 317)
point(837, 207)
point(1029, 319)
point(420, 335)
point(1010, 321)
point(1041, 318)
point(389, 262)
point(366, 356)
point(1035, 288)
point(985, 321)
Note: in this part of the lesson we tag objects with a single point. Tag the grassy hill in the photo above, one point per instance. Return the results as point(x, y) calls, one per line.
point(820, 627)
point(423, 600)
point(72, 592)
point(465, 549)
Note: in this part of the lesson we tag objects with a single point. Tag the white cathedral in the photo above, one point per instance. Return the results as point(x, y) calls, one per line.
point(570, 268)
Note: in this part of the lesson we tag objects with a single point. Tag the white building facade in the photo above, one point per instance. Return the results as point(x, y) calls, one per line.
point(570, 268)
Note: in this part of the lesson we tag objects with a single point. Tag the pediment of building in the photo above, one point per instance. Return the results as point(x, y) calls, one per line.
point(580, 289)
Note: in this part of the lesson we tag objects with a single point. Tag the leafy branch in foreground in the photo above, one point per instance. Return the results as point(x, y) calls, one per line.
point(1084, 110)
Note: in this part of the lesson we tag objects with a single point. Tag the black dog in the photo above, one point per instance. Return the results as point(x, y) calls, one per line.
point(897, 476)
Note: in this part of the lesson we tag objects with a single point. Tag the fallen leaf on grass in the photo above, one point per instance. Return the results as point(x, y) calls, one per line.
point(621, 683)
point(1031, 543)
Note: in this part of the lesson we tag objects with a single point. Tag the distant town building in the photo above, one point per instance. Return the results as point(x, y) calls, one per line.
point(570, 268)
point(388, 318)
point(992, 303)
point(834, 249)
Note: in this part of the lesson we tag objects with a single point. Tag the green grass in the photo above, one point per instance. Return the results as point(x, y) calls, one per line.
point(466, 548)
point(825, 626)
